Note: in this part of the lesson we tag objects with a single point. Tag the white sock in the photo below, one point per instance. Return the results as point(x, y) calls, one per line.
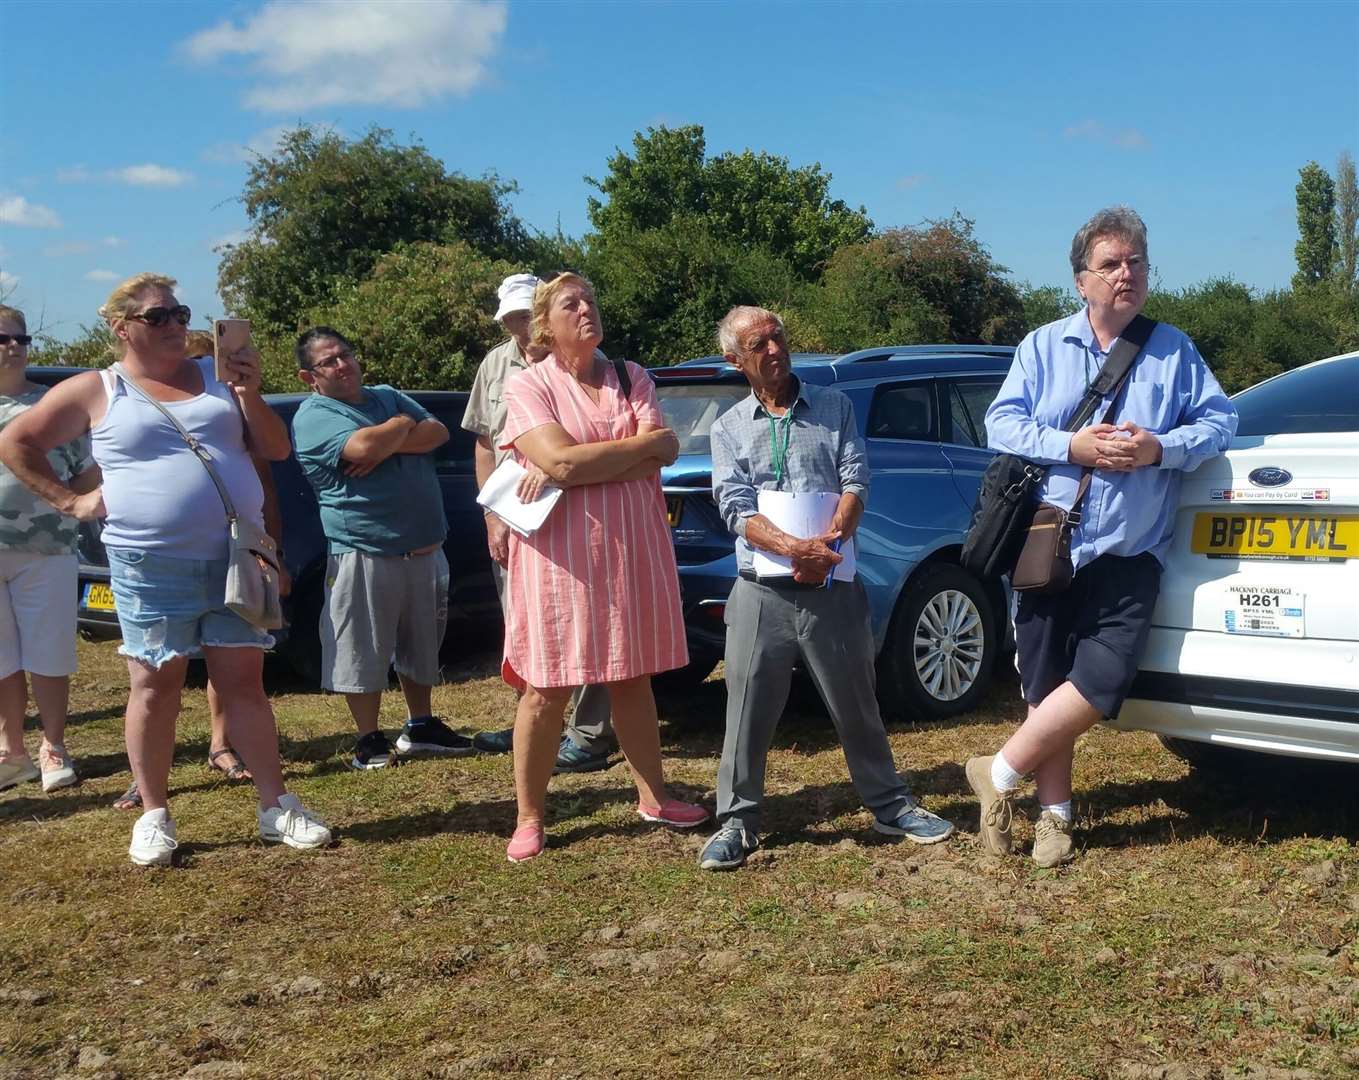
point(1061, 810)
point(1004, 778)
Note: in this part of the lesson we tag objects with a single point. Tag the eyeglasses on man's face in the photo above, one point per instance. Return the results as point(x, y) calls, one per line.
point(19, 339)
point(333, 361)
point(1136, 265)
point(159, 316)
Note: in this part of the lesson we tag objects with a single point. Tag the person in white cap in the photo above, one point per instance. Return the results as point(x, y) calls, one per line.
point(588, 740)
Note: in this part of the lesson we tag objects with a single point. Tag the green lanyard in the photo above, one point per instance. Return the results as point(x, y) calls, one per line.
point(780, 456)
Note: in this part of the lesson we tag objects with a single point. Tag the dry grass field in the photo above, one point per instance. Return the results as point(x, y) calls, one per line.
point(1203, 932)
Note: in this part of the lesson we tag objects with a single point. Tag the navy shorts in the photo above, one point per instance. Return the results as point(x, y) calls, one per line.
point(1092, 635)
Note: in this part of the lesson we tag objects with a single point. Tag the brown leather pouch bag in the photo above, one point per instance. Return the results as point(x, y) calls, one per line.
point(1044, 564)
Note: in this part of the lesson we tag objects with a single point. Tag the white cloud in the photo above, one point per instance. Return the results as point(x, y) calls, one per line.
point(149, 176)
point(16, 210)
point(347, 52)
point(231, 238)
point(7, 281)
point(908, 183)
point(1094, 131)
point(261, 144)
point(113, 241)
point(101, 275)
point(74, 247)
point(76, 174)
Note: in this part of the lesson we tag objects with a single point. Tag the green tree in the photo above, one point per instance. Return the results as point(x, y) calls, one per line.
point(1315, 249)
point(751, 199)
point(1346, 220)
point(935, 283)
point(1046, 303)
point(662, 291)
point(324, 210)
point(92, 347)
point(420, 320)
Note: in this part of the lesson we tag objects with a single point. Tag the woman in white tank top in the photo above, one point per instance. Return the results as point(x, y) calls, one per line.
point(166, 535)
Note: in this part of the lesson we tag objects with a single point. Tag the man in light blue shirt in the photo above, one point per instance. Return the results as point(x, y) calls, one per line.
point(1078, 650)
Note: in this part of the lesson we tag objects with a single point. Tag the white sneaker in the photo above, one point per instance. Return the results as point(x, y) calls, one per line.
point(153, 839)
point(293, 824)
point(17, 771)
point(57, 768)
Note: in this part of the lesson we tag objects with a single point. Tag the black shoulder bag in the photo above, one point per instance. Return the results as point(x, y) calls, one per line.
point(1005, 508)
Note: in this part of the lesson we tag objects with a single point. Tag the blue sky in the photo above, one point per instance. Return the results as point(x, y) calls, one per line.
point(125, 124)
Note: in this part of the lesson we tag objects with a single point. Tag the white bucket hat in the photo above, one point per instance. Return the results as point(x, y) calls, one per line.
point(516, 294)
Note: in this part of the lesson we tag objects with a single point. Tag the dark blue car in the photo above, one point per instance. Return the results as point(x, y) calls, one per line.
point(472, 595)
point(939, 631)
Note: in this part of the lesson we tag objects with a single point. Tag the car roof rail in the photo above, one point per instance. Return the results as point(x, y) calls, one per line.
point(895, 352)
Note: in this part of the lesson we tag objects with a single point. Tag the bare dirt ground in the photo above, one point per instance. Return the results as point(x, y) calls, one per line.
point(1204, 931)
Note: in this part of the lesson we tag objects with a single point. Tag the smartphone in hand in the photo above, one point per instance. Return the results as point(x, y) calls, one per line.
point(228, 336)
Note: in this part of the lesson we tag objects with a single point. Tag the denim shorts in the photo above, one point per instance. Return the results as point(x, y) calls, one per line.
point(170, 607)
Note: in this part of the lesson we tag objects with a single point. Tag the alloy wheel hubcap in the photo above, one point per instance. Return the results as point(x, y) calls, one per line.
point(949, 645)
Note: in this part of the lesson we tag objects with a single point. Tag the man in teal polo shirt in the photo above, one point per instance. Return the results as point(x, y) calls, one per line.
point(366, 452)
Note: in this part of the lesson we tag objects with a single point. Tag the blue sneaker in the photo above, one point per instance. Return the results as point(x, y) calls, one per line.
point(917, 824)
point(494, 742)
point(572, 757)
point(727, 848)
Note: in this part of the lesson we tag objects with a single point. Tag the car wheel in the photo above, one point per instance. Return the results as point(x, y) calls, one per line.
point(941, 652)
point(688, 678)
point(1220, 762)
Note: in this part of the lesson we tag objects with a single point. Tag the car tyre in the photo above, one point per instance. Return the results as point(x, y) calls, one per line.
point(942, 648)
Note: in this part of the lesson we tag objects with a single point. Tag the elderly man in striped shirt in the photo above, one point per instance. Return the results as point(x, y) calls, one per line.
point(788, 436)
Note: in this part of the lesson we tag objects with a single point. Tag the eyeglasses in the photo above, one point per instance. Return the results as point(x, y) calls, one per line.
point(159, 316)
point(332, 363)
point(18, 339)
point(1136, 265)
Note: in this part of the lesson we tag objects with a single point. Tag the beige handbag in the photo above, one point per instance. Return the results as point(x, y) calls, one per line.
point(252, 556)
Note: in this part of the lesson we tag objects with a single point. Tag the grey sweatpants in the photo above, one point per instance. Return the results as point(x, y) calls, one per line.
point(589, 727)
point(768, 630)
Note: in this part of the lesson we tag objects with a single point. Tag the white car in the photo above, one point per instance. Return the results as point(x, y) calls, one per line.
point(1255, 638)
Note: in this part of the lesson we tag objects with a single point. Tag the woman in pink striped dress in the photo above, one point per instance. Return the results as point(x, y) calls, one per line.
point(593, 595)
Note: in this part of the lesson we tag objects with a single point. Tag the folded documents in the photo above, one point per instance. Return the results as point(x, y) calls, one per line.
point(499, 497)
point(803, 514)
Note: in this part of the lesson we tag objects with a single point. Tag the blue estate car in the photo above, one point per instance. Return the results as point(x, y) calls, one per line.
point(938, 630)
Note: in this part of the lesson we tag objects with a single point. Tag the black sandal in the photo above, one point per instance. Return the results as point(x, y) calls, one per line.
point(131, 799)
point(234, 772)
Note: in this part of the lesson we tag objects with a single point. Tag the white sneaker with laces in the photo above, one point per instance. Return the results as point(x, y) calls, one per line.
point(15, 770)
point(153, 839)
point(293, 824)
point(57, 769)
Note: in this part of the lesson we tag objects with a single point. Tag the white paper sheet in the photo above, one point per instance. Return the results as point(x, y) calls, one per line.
point(499, 495)
point(803, 514)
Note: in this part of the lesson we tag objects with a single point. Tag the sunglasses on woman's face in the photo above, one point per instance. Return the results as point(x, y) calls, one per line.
point(18, 339)
point(159, 316)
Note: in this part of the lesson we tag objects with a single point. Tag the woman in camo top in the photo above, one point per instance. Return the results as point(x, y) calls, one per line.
point(38, 571)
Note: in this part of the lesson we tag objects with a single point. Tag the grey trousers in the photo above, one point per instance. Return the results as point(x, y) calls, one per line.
point(589, 726)
point(768, 630)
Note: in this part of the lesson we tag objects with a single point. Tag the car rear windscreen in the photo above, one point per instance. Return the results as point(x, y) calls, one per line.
point(691, 410)
point(1323, 397)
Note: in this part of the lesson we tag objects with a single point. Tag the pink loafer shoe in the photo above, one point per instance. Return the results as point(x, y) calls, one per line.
point(527, 842)
point(682, 815)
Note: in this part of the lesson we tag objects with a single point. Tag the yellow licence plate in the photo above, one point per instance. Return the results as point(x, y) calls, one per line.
point(1295, 537)
point(98, 597)
point(674, 509)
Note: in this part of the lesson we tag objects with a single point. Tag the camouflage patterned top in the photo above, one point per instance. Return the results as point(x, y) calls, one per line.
point(27, 523)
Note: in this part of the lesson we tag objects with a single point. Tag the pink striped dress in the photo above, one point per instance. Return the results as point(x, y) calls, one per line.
point(594, 593)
